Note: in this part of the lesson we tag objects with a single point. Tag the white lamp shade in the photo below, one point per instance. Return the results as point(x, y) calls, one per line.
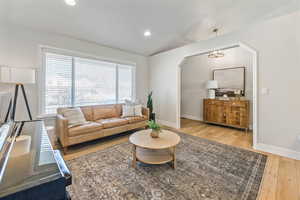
point(212, 84)
point(17, 75)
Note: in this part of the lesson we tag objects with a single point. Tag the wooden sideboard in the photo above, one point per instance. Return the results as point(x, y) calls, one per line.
point(233, 113)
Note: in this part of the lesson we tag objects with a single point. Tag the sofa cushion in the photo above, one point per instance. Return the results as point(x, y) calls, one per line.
point(136, 119)
point(113, 122)
point(85, 128)
point(87, 112)
point(119, 109)
point(104, 112)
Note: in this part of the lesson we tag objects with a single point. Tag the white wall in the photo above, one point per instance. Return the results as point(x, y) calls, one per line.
point(3, 12)
point(197, 70)
point(19, 47)
point(278, 44)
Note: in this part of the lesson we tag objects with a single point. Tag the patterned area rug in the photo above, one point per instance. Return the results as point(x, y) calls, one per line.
point(205, 170)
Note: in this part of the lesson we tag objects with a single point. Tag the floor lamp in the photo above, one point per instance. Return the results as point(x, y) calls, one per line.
point(19, 77)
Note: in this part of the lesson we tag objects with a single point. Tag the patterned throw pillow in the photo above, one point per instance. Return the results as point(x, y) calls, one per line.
point(138, 110)
point(75, 116)
point(127, 111)
point(131, 110)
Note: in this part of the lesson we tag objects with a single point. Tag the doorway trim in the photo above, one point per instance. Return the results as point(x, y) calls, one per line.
point(255, 84)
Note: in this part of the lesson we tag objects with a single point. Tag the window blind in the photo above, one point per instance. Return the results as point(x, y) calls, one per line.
point(75, 81)
point(95, 82)
point(58, 82)
point(125, 83)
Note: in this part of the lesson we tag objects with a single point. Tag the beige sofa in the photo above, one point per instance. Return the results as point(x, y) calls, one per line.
point(103, 120)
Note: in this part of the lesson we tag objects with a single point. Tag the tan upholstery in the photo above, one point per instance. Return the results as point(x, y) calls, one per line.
point(85, 128)
point(103, 120)
point(135, 119)
point(88, 112)
point(119, 109)
point(104, 112)
point(146, 113)
point(61, 129)
point(113, 122)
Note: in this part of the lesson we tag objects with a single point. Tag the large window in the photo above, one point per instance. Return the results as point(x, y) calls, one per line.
point(76, 81)
point(95, 82)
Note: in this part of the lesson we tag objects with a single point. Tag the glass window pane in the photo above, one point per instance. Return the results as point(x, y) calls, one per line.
point(58, 82)
point(125, 82)
point(95, 82)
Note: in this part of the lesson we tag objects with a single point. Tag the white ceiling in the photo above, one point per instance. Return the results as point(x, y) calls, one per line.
point(121, 23)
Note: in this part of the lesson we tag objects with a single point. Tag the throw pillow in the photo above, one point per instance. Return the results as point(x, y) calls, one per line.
point(127, 111)
point(138, 110)
point(75, 116)
point(132, 110)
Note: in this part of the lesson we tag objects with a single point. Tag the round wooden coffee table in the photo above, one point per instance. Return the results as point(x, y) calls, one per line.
point(154, 150)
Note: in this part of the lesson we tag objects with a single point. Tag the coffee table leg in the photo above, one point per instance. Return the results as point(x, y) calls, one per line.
point(174, 157)
point(133, 156)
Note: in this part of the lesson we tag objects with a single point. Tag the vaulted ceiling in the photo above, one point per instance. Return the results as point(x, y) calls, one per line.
point(121, 23)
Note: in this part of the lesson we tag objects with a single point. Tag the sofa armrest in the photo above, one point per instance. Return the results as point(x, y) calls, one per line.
point(62, 129)
point(145, 112)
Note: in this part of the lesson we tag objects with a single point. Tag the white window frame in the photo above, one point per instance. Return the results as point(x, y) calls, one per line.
point(42, 73)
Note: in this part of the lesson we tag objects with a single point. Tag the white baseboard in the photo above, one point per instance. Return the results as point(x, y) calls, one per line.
point(167, 123)
point(278, 151)
point(191, 117)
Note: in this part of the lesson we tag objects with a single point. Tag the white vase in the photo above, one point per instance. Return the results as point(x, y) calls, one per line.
point(154, 134)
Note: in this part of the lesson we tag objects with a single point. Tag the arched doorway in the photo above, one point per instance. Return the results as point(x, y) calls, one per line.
point(254, 82)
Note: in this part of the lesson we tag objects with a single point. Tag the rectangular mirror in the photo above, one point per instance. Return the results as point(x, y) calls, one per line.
point(229, 81)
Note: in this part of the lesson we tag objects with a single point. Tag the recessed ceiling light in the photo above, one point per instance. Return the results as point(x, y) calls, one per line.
point(70, 2)
point(147, 33)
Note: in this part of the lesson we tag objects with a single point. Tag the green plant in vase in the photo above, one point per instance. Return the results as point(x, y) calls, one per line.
point(155, 128)
point(150, 106)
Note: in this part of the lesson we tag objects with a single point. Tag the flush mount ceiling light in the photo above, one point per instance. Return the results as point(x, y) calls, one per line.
point(147, 33)
point(216, 53)
point(70, 2)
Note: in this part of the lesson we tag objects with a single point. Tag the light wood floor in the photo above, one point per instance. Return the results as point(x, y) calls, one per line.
point(281, 179)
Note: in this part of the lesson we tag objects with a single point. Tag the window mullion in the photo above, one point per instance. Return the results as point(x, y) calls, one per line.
point(42, 81)
point(133, 85)
point(73, 83)
point(117, 83)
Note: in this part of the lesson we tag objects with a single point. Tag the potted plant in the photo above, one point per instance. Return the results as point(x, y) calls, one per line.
point(150, 106)
point(155, 128)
